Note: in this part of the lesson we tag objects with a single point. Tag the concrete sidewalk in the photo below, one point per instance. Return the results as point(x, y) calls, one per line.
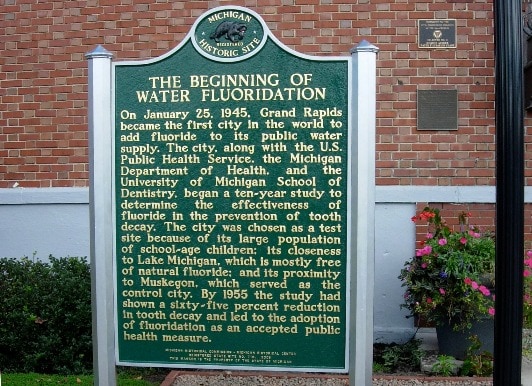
point(429, 342)
point(526, 372)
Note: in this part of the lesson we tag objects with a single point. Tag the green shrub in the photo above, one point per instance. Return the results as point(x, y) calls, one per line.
point(45, 316)
point(444, 365)
point(476, 363)
point(394, 357)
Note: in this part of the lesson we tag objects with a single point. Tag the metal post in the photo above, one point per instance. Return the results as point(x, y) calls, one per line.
point(363, 197)
point(101, 231)
point(509, 192)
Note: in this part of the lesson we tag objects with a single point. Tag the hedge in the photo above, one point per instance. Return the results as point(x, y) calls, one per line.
point(45, 316)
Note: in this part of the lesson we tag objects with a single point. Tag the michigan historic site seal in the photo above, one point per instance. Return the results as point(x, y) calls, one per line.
point(229, 34)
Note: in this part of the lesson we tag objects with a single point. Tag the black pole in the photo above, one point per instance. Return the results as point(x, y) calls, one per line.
point(509, 192)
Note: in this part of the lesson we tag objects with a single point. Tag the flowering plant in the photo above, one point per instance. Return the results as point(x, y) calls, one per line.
point(527, 306)
point(449, 279)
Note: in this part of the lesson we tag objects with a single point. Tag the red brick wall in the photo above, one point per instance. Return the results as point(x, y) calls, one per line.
point(407, 156)
point(43, 82)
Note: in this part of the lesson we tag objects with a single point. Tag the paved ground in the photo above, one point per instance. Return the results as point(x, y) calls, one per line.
point(526, 373)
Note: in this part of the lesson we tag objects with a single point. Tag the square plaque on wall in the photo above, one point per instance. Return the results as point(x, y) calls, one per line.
point(438, 33)
point(437, 110)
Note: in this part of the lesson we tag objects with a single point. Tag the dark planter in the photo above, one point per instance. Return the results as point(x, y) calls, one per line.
point(456, 343)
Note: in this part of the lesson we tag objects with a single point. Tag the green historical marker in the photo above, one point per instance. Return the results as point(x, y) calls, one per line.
point(231, 174)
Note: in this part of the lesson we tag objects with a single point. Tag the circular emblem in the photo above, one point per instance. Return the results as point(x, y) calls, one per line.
point(229, 34)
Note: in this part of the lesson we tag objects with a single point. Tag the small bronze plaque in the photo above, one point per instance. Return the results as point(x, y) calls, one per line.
point(437, 110)
point(439, 33)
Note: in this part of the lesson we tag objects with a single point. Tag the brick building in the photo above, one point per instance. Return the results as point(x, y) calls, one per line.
point(43, 118)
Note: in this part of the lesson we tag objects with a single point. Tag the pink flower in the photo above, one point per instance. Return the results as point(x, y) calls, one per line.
point(463, 241)
point(529, 253)
point(429, 300)
point(468, 281)
point(526, 273)
point(424, 265)
point(429, 235)
point(442, 241)
point(474, 285)
point(528, 262)
point(426, 250)
point(442, 291)
point(491, 311)
point(484, 290)
point(474, 234)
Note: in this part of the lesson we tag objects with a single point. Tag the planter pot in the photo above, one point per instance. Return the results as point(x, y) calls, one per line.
point(456, 343)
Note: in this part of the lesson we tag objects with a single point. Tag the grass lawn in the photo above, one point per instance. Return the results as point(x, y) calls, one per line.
point(32, 379)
